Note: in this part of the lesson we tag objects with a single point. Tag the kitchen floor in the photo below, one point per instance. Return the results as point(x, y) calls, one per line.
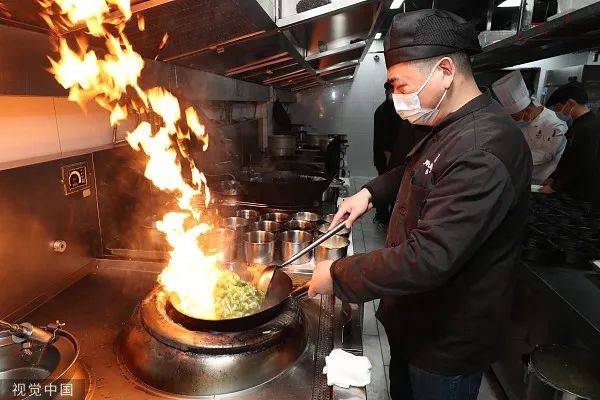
point(366, 237)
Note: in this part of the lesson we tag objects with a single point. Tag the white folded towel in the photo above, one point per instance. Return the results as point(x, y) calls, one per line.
point(344, 369)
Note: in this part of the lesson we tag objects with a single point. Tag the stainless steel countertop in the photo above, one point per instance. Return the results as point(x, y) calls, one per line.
point(96, 308)
point(574, 291)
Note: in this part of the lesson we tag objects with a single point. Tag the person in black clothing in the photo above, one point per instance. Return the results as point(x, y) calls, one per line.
point(578, 172)
point(385, 129)
point(449, 266)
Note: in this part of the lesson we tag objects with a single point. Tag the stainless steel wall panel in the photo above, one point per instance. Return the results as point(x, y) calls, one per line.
point(24, 63)
point(34, 212)
point(191, 24)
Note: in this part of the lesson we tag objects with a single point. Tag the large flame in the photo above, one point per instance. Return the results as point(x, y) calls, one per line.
point(112, 80)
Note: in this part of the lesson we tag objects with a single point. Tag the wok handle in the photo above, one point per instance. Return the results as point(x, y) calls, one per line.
point(300, 291)
point(314, 244)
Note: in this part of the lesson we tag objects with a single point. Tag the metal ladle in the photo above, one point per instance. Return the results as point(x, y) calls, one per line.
point(264, 281)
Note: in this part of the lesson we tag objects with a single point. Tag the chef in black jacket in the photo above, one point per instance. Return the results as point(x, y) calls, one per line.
point(578, 172)
point(385, 129)
point(447, 272)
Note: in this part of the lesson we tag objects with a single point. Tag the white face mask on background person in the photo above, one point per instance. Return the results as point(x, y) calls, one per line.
point(408, 106)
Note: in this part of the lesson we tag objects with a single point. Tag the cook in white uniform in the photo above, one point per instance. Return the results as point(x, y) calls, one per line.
point(543, 130)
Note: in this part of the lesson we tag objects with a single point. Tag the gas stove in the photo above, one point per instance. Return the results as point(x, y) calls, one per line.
point(166, 352)
point(137, 348)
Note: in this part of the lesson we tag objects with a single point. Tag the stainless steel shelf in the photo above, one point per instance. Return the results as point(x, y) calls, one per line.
point(576, 31)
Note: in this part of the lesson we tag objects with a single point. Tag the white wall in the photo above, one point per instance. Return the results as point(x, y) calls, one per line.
point(347, 108)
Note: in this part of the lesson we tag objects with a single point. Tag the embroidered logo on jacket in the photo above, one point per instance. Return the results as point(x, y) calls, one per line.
point(429, 165)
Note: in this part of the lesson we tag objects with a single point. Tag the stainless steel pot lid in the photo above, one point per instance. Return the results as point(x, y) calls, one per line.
point(567, 369)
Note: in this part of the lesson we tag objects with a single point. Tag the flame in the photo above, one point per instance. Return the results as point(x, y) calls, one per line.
point(141, 23)
point(4, 11)
point(163, 41)
point(112, 80)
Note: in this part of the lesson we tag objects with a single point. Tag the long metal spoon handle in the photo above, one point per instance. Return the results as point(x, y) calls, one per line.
point(314, 244)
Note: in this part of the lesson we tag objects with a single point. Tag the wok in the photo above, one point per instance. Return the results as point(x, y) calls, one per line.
point(280, 291)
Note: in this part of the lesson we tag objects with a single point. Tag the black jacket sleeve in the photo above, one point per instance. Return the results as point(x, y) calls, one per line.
point(385, 187)
point(466, 205)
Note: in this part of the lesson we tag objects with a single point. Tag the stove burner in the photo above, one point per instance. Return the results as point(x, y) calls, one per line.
point(161, 348)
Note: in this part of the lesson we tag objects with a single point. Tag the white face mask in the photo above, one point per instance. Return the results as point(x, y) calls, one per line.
point(408, 106)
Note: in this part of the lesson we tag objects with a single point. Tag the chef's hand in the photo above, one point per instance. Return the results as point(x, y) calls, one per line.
point(548, 182)
point(354, 206)
point(321, 282)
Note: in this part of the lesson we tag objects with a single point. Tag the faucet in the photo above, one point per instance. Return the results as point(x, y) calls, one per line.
point(27, 332)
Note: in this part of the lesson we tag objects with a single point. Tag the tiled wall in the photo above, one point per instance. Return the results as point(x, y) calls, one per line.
point(348, 108)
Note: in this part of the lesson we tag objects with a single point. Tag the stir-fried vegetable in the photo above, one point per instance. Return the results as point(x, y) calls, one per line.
point(236, 298)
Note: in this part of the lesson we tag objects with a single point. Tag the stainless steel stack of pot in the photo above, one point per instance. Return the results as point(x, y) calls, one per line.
point(260, 238)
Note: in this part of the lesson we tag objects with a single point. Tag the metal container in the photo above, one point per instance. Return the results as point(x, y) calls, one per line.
point(323, 228)
point(306, 216)
point(282, 145)
point(559, 372)
point(297, 225)
point(294, 241)
point(219, 240)
point(328, 218)
point(250, 215)
point(332, 249)
point(239, 226)
point(277, 217)
point(259, 247)
point(269, 226)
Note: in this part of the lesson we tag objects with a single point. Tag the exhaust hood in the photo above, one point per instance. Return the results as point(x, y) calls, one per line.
point(259, 41)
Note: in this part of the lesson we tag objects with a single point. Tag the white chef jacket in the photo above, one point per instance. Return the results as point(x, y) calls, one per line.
point(545, 136)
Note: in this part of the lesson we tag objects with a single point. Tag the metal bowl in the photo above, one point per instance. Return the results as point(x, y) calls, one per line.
point(328, 218)
point(250, 215)
point(332, 249)
point(294, 241)
point(324, 228)
point(259, 247)
point(298, 225)
point(306, 216)
point(269, 226)
point(277, 217)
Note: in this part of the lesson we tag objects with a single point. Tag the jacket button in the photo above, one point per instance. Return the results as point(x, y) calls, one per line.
point(402, 211)
point(434, 138)
point(393, 244)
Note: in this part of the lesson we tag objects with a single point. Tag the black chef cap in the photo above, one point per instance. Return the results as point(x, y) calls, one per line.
point(428, 33)
point(572, 90)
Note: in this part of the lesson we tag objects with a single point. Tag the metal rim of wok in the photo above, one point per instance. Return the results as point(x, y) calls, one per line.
point(280, 291)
